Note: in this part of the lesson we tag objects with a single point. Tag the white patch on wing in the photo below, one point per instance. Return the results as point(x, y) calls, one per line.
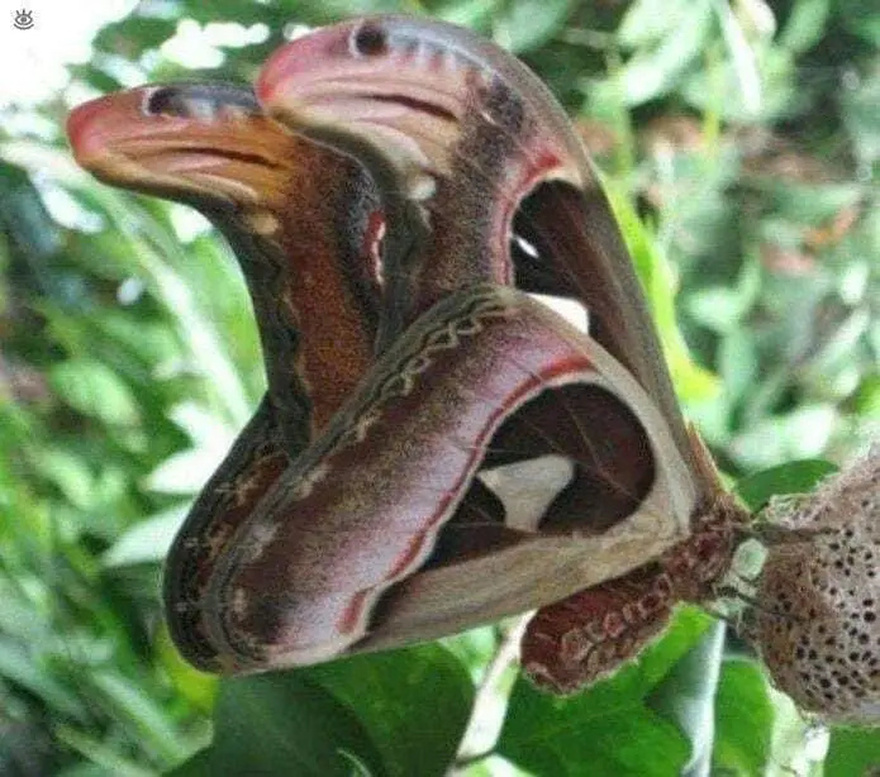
point(570, 309)
point(261, 537)
point(422, 187)
point(525, 246)
point(527, 488)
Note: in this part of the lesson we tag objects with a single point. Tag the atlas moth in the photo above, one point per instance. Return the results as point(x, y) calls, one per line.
point(488, 458)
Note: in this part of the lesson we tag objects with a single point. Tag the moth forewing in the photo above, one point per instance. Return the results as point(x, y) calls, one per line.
point(544, 568)
point(355, 582)
point(210, 146)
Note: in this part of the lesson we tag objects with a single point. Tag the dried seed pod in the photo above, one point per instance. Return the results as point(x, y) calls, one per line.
point(816, 619)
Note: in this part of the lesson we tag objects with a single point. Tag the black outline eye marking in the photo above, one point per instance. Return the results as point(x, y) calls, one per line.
point(203, 101)
point(161, 102)
point(368, 40)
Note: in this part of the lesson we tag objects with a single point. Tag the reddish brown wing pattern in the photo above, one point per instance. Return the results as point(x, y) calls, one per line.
point(303, 224)
point(432, 108)
point(577, 641)
point(210, 557)
point(256, 460)
point(496, 134)
point(461, 132)
point(360, 510)
point(299, 218)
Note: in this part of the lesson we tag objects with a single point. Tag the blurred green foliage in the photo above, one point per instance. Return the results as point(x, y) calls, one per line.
point(740, 142)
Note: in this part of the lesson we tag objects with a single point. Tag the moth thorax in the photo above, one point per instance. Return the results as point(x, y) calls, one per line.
point(816, 619)
point(697, 563)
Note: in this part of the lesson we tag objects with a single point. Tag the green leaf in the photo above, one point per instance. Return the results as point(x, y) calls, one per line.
point(648, 21)
point(722, 308)
point(397, 713)
point(795, 477)
point(867, 398)
point(861, 115)
point(109, 759)
point(136, 708)
point(162, 262)
point(413, 703)
point(476, 14)
point(856, 19)
point(200, 765)
point(811, 203)
point(147, 541)
point(526, 24)
point(474, 648)
point(719, 89)
point(609, 729)
point(687, 697)
point(20, 667)
point(657, 660)
point(738, 362)
point(132, 36)
point(283, 724)
point(805, 26)
point(853, 752)
point(199, 688)
point(743, 720)
point(95, 390)
point(69, 472)
point(692, 382)
point(801, 434)
point(574, 737)
point(649, 74)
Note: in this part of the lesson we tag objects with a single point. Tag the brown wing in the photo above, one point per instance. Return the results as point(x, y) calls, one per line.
point(351, 522)
point(303, 224)
point(300, 219)
point(415, 93)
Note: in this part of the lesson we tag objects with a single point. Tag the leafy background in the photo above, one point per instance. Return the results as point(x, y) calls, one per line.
point(740, 142)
